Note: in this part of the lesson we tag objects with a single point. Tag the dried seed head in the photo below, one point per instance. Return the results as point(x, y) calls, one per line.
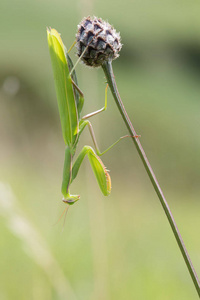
point(99, 39)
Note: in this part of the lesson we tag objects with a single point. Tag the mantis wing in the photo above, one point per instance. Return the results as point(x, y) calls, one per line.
point(64, 88)
point(78, 97)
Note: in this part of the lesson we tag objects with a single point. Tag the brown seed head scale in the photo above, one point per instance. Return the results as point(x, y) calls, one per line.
point(101, 39)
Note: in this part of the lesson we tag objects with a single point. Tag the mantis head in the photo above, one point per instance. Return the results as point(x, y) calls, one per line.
point(71, 199)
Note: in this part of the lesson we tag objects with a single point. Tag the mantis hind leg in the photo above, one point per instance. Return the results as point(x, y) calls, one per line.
point(85, 123)
point(100, 110)
point(81, 100)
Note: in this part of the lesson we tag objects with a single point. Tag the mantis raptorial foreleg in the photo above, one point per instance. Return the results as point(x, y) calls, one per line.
point(98, 167)
point(69, 173)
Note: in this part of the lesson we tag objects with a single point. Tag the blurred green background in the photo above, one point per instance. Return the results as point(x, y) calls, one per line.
point(119, 247)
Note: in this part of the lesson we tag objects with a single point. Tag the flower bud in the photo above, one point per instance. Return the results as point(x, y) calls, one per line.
point(98, 40)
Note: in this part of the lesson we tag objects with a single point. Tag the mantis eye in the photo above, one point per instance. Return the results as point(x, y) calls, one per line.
point(97, 41)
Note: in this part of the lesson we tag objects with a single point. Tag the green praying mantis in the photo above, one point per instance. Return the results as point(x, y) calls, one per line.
point(70, 103)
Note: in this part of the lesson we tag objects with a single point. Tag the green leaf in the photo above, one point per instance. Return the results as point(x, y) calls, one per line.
point(64, 88)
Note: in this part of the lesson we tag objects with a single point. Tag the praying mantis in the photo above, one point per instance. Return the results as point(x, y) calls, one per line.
point(70, 103)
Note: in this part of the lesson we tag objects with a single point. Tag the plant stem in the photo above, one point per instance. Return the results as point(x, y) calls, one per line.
point(107, 68)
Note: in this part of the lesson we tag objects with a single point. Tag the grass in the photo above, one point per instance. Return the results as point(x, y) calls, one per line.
point(109, 249)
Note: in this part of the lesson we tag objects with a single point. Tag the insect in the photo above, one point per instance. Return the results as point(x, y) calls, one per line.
point(70, 102)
